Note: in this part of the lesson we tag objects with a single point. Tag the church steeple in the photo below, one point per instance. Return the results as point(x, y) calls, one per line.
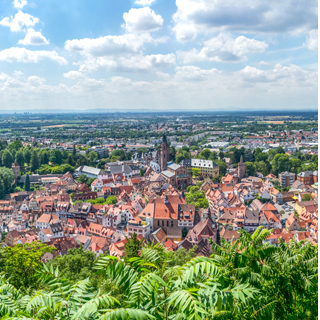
point(164, 139)
point(164, 153)
point(241, 168)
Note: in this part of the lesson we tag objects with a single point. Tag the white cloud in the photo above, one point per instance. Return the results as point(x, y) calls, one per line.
point(33, 38)
point(36, 80)
point(18, 74)
point(253, 16)
point(19, 4)
point(312, 40)
point(24, 55)
point(148, 62)
point(73, 75)
point(142, 20)
point(192, 73)
point(3, 77)
point(286, 76)
point(19, 21)
point(224, 48)
point(144, 3)
point(91, 64)
point(134, 63)
point(111, 45)
point(189, 88)
point(105, 45)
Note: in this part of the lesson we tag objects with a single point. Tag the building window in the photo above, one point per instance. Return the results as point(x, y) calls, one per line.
point(158, 223)
point(162, 223)
point(167, 223)
point(171, 223)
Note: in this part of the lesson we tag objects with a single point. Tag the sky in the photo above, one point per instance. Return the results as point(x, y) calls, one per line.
point(158, 55)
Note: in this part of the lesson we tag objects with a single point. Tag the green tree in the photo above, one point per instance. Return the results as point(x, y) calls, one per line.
point(44, 157)
point(19, 263)
point(307, 197)
point(27, 183)
point(64, 168)
point(76, 265)
point(295, 165)
point(44, 169)
point(284, 275)
point(55, 157)
point(213, 156)
point(172, 154)
point(314, 159)
point(83, 178)
point(308, 167)
point(222, 167)
point(205, 153)
point(7, 177)
point(180, 257)
point(280, 150)
point(16, 145)
point(280, 163)
point(70, 160)
point(7, 158)
point(262, 167)
point(111, 200)
point(276, 184)
point(132, 247)
point(196, 172)
point(34, 163)
point(27, 155)
point(2, 189)
point(259, 155)
point(74, 153)
point(92, 156)
point(250, 169)
point(179, 157)
point(20, 158)
point(271, 154)
point(89, 181)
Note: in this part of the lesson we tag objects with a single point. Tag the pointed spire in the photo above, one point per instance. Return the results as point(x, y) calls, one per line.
point(241, 159)
point(164, 139)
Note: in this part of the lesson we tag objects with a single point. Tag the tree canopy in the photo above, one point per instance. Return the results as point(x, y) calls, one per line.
point(244, 279)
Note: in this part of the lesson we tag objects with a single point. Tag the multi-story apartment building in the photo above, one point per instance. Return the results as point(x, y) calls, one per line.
point(100, 150)
point(286, 179)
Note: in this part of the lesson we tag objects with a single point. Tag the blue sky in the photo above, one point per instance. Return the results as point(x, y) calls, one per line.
point(158, 54)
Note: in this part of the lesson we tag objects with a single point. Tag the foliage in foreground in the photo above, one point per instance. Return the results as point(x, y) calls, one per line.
point(242, 280)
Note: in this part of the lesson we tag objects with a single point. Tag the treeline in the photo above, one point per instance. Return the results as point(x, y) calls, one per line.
point(43, 161)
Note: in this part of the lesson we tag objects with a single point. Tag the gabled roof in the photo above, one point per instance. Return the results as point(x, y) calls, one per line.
point(44, 218)
point(268, 207)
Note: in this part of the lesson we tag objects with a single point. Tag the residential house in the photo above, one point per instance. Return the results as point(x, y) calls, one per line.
point(276, 195)
point(203, 230)
point(139, 227)
point(251, 220)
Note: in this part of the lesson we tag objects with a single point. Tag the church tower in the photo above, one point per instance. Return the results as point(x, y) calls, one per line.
point(164, 153)
point(241, 169)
